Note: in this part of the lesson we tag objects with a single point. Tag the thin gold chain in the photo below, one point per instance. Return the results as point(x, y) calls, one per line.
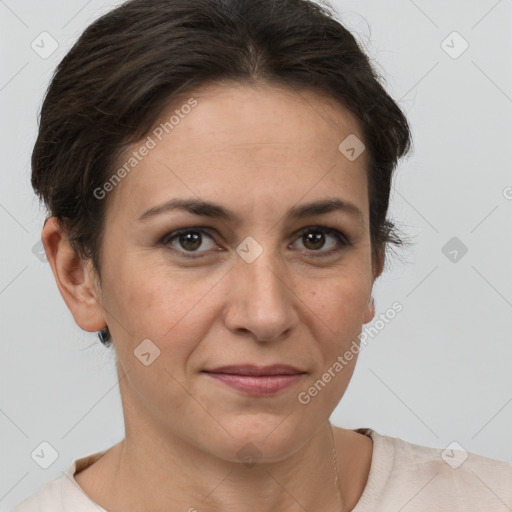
point(335, 464)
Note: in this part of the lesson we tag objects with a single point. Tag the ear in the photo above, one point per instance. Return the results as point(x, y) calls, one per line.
point(378, 262)
point(75, 277)
point(378, 267)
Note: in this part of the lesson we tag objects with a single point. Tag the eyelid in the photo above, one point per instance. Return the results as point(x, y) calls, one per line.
point(324, 229)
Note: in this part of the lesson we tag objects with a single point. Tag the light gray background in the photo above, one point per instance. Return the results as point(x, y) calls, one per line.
point(439, 372)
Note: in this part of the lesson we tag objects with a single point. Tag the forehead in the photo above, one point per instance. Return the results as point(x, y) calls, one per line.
point(238, 115)
point(243, 143)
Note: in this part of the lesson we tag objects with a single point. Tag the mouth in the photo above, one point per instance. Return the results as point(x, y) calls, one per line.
point(257, 380)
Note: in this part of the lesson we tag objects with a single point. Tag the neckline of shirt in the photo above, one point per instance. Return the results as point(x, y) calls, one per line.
point(381, 465)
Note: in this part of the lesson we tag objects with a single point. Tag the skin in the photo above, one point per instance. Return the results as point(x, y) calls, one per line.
point(258, 150)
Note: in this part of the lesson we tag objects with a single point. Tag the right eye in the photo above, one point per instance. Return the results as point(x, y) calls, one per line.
point(187, 241)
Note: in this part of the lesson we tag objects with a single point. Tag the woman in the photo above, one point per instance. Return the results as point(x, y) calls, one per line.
point(217, 175)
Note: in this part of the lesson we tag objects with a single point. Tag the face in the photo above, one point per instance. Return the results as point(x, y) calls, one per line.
point(261, 285)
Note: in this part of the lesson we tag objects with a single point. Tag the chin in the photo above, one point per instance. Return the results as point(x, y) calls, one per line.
point(254, 440)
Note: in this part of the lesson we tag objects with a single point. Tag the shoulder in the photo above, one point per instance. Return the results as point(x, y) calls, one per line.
point(62, 494)
point(47, 495)
point(422, 477)
point(454, 462)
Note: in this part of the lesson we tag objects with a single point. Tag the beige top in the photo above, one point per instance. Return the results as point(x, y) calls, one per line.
point(403, 476)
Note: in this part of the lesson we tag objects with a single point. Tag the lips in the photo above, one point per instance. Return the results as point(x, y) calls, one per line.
point(257, 380)
point(249, 369)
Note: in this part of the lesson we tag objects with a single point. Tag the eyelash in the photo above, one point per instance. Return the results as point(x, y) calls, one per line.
point(342, 240)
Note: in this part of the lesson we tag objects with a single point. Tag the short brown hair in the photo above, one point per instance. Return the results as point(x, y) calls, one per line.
point(112, 85)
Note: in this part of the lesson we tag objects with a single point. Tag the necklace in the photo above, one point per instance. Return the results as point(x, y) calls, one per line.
point(335, 464)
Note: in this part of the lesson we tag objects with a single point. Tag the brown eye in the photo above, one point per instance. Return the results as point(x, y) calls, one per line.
point(316, 238)
point(188, 240)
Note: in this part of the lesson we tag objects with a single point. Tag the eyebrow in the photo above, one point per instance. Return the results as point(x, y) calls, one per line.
point(217, 211)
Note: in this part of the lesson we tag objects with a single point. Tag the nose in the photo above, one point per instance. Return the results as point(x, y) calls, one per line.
point(261, 300)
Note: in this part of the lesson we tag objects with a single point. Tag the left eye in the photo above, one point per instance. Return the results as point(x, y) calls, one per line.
point(314, 239)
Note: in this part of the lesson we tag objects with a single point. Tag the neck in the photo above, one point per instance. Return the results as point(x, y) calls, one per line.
point(153, 469)
point(156, 474)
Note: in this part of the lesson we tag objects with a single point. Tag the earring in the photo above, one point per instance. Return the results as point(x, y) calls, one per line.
point(371, 303)
point(104, 336)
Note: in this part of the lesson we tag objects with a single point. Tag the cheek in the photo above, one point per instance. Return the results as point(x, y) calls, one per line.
point(164, 306)
point(336, 319)
point(339, 303)
point(173, 313)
